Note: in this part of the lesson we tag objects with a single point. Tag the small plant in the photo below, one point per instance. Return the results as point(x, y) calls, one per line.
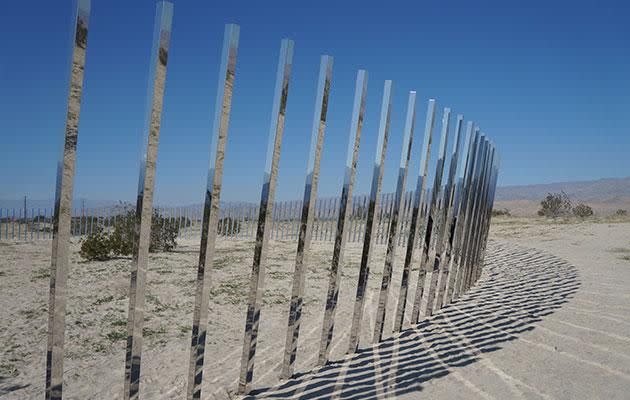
point(582, 211)
point(555, 205)
point(101, 246)
point(501, 213)
point(96, 247)
point(621, 213)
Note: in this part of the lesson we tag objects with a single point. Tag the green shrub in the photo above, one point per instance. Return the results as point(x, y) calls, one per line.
point(96, 247)
point(501, 213)
point(164, 232)
point(555, 205)
point(102, 246)
point(582, 211)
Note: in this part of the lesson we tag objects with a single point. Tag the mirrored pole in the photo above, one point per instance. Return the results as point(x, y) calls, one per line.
point(448, 214)
point(462, 260)
point(490, 203)
point(431, 222)
point(472, 139)
point(479, 247)
point(212, 200)
point(356, 123)
point(477, 233)
point(62, 216)
point(433, 263)
point(144, 202)
point(416, 216)
point(306, 224)
point(392, 239)
point(270, 174)
point(375, 194)
point(474, 225)
point(462, 246)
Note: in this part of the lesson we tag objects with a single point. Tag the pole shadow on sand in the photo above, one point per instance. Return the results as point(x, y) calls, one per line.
point(519, 286)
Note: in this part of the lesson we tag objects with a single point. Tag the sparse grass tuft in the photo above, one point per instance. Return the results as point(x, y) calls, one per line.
point(42, 273)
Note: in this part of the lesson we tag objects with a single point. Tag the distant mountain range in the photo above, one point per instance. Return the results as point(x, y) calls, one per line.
point(604, 195)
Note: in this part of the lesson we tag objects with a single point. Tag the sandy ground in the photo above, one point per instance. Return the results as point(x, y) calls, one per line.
point(549, 319)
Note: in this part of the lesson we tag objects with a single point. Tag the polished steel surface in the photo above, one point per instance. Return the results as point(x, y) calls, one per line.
point(354, 139)
point(461, 204)
point(62, 216)
point(463, 247)
point(392, 239)
point(267, 196)
point(144, 202)
point(431, 223)
point(375, 192)
point(416, 213)
point(212, 199)
point(443, 248)
point(433, 264)
point(306, 219)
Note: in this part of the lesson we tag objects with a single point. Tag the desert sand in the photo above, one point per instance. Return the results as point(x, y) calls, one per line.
point(549, 318)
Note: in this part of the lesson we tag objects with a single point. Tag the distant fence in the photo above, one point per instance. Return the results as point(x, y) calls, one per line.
point(237, 220)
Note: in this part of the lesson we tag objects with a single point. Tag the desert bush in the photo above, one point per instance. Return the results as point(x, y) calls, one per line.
point(582, 211)
point(164, 233)
point(229, 226)
point(121, 238)
point(504, 212)
point(555, 205)
point(103, 246)
point(621, 213)
point(96, 247)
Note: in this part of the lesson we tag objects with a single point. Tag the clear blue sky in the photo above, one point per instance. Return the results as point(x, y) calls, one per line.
point(548, 80)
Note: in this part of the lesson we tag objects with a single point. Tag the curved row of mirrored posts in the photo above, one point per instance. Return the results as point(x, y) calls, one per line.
point(451, 226)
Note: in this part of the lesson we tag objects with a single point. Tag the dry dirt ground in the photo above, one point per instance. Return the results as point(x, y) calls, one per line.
point(549, 318)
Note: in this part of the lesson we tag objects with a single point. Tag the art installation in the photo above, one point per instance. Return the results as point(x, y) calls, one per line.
point(447, 222)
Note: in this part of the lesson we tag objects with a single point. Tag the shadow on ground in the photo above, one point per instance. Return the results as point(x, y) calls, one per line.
point(518, 288)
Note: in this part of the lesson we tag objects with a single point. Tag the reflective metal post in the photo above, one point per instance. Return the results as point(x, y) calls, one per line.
point(306, 224)
point(358, 112)
point(464, 218)
point(432, 265)
point(482, 217)
point(490, 204)
point(375, 192)
point(418, 204)
point(144, 202)
point(212, 199)
point(460, 207)
point(448, 214)
point(392, 239)
point(478, 228)
point(430, 220)
point(264, 217)
point(62, 216)
point(463, 246)
point(473, 227)
point(475, 231)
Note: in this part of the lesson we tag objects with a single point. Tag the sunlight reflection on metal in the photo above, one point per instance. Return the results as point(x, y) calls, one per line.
point(306, 220)
point(144, 202)
point(356, 124)
point(267, 195)
point(375, 191)
point(62, 217)
point(418, 204)
point(392, 238)
point(212, 201)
